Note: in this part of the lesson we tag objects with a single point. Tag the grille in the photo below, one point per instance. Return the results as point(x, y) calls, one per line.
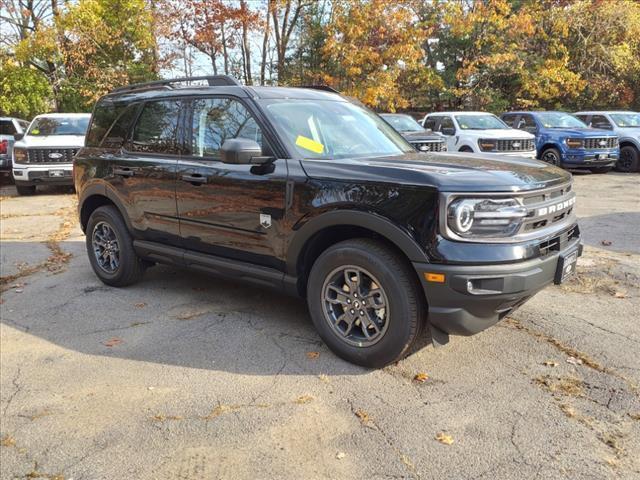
point(559, 242)
point(548, 208)
point(434, 146)
point(44, 155)
point(514, 145)
point(602, 142)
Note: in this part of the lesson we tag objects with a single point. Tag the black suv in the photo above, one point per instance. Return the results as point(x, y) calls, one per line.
point(422, 139)
point(305, 191)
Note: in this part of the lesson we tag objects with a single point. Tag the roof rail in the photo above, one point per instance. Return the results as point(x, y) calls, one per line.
point(325, 88)
point(212, 80)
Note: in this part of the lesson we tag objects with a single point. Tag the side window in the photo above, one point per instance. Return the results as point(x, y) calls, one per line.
point(157, 128)
point(6, 127)
point(447, 127)
point(600, 121)
point(584, 118)
point(103, 117)
point(218, 119)
point(431, 122)
point(24, 125)
point(510, 119)
point(527, 123)
point(119, 131)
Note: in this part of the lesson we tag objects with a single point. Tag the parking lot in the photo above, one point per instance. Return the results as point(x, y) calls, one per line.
point(188, 376)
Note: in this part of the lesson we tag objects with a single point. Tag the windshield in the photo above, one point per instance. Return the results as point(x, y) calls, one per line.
point(560, 120)
point(626, 120)
point(321, 129)
point(480, 122)
point(44, 126)
point(403, 123)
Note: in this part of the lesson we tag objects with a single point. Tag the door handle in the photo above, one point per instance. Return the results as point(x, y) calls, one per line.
point(123, 172)
point(194, 179)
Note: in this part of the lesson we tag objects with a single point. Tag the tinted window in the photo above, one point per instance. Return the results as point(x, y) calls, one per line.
point(216, 120)
point(157, 128)
point(119, 132)
point(430, 123)
point(103, 117)
point(446, 124)
point(7, 127)
point(600, 121)
point(510, 120)
point(527, 123)
point(583, 117)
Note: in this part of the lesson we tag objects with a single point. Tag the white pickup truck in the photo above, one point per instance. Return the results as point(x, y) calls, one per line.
point(44, 155)
point(480, 132)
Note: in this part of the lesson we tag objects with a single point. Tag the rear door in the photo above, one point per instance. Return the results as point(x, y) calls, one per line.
point(143, 173)
point(232, 211)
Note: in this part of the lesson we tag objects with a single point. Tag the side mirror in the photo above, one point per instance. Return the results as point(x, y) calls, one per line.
point(18, 136)
point(242, 151)
point(448, 131)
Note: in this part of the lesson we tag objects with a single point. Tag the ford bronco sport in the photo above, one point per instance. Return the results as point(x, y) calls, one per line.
point(305, 191)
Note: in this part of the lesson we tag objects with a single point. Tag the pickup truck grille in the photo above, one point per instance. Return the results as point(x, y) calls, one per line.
point(51, 155)
point(600, 143)
point(515, 145)
point(430, 146)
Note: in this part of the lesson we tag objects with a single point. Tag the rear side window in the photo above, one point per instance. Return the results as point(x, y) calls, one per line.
point(583, 118)
point(600, 121)
point(119, 131)
point(430, 123)
point(510, 120)
point(103, 117)
point(157, 128)
point(7, 127)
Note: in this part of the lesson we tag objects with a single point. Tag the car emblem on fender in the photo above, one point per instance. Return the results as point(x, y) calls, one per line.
point(55, 155)
point(265, 220)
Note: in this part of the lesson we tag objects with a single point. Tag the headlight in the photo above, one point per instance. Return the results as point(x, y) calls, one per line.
point(19, 155)
point(487, 145)
point(574, 142)
point(485, 217)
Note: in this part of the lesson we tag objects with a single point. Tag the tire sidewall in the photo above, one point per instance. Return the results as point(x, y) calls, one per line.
point(107, 216)
point(556, 152)
point(635, 160)
point(400, 330)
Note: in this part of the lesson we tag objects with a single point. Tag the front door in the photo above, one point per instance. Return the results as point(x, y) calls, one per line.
point(232, 211)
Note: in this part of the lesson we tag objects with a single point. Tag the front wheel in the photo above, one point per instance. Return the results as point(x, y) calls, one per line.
point(366, 302)
point(110, 248)
point(629, 159)
point(551, 156)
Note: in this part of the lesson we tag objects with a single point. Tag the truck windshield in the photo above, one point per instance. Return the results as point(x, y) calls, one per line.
point(321, 129)
point(480, 122)
point(560, 120)
point(403, 123)
point(626, 120)
point(44, 126)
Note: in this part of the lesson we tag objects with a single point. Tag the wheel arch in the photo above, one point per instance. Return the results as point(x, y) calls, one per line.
point(332, 227)
point(96, 196)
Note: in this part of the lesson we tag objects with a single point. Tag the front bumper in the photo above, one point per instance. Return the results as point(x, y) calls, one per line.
point(590, 158)
point(497, 290)
point(28, 175)
point(525, 154)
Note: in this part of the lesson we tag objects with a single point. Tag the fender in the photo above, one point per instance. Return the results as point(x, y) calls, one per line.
point(102, 189)
point(371, 221)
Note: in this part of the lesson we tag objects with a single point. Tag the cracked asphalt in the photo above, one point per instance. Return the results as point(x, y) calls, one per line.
point(185, 376)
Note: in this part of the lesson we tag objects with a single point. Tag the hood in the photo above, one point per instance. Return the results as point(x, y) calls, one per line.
point(424, 135)
point(499, 134)
point(51, 141)
point(582, 132)
point(629, 132)
point(460, 171)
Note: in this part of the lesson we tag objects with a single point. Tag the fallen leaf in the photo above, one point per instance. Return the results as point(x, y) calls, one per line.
point(606, 243)
point(140, 305)
point(303, 399)
point(619, 294)
point(313, 355)
point(18, 290)
point(421, 377)
point(574, 361)
point(362, 415)
point(7, 441)
point(112, 342)
point(444, 438)
point(323, 378)
point(340, 455)
point(550, 363)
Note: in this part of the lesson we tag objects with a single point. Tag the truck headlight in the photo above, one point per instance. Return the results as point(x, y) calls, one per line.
point(485, 217)
point(574, 142)
point(487, 144)
point(19, 155)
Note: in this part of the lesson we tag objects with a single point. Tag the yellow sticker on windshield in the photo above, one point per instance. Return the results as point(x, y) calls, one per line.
point(309, 144)
point(35, 131)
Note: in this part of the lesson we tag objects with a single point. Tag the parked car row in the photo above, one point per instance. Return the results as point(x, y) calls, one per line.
point(597, 141)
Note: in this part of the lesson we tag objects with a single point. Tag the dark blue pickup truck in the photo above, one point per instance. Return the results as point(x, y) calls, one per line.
point(564, 140)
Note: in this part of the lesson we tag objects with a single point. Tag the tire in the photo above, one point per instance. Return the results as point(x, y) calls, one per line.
point(130, 267)
point(629, 159)
point(466, 149)
point(25, 189)
point(552, 156)
point(601, 170)
point(398, 325)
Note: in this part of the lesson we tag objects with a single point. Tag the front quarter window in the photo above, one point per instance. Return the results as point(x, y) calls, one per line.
point(322, 130)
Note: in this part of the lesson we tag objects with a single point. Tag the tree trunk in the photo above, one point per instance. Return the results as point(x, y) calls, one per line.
point(225, 54)
point(246, 57)
point(265, 43)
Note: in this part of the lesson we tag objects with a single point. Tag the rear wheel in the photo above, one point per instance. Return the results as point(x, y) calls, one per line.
point(365, 302)
point(25, 189)
point(552, 156)
point(629, 159)
point(601, 170)
point(110, 248)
